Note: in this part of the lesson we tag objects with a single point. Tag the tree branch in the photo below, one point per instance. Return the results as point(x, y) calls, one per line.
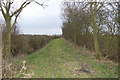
point(1, 8)
point(16, 19)
point(40, 4)
point(100, 7)
point(21, 7)
point(8, 7)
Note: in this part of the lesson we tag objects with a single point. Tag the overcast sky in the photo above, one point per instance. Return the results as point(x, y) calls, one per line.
point(36, 20)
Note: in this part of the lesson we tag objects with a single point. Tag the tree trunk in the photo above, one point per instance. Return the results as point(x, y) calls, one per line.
point(96, 40)
point(75, 34)
point(8, 55)
point(0, 53)
point(8, 51)
point(95, 29)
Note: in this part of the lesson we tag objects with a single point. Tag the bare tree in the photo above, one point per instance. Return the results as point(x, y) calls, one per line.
point(10, 15)
point(89, 20)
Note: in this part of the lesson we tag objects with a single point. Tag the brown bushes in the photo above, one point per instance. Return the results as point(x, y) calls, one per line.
point(25, 44)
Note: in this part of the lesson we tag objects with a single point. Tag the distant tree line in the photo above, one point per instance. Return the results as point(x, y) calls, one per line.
point(92, 25)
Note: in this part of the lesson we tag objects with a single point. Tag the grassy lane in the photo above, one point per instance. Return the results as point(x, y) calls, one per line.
point(59, 59)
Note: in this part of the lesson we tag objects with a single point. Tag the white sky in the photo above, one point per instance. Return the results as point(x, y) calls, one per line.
point(36, 20)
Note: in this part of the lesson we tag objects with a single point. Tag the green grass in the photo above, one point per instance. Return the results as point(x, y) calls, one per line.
point(60, 59)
